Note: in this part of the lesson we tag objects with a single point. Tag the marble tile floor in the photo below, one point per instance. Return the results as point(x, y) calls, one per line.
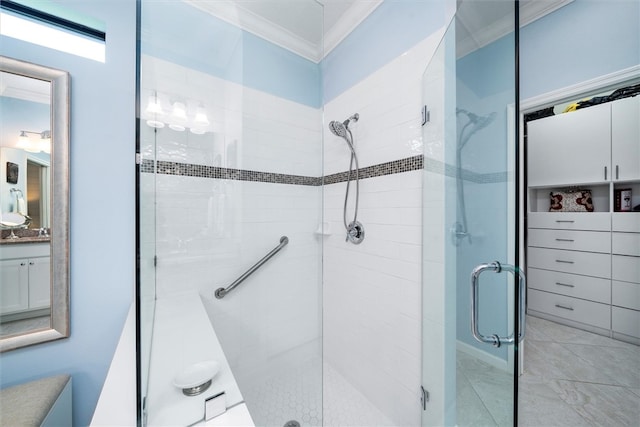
point(572, 378)
point(577, 378)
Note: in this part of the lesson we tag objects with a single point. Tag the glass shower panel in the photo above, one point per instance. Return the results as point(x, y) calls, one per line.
point(230, 132)
point(470, 208)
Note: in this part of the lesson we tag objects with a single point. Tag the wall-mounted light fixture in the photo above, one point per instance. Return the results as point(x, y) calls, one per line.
point(160, 111)
point(35, 145)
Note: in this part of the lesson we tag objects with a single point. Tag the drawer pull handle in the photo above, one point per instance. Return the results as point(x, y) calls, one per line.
point(565, 220)
point(617, 172)
point(564, 307)
point(565, 284)
point(564, 240)
point(565, 262)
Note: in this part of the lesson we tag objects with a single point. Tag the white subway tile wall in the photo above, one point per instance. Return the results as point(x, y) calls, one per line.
point(364, 301)
point(209, 231)
point(372, 291)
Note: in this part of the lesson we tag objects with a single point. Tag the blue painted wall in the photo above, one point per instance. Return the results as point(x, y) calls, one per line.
point(223, 50)
point(102, 207)
point(17, 115)
point(485, 84)
point(581, 41)
point(393, 28)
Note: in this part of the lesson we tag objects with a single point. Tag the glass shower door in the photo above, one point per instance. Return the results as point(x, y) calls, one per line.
point(470, 267)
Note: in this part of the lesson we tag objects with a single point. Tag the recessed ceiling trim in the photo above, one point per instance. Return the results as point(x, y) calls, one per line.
point(348, 22)
point(529, 12)
point(235, 14)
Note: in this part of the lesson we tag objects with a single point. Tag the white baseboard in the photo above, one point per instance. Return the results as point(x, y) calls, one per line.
point(489, 359)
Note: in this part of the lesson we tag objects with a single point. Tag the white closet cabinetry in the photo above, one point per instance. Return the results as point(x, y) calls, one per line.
point(570, 148)
point(625, 139)
point(625, 273)
point(584, 267)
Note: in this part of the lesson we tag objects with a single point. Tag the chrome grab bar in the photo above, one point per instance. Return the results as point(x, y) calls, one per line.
point(498, 268)
point(221, 292)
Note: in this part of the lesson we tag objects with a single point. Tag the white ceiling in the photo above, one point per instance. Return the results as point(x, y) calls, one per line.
point(21, 87)
point(299, 25)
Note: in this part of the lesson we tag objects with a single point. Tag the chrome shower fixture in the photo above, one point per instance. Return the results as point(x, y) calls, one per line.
point(460, 229)
point(355, 230)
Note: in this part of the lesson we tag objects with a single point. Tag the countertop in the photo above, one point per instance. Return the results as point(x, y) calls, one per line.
point(24, 236)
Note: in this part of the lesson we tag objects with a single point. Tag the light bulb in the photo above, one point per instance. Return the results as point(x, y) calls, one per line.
point(45, 141)
point(155, 124)
point(23, 141)
point(201, 120)
point(179, 111)
point(154, 106)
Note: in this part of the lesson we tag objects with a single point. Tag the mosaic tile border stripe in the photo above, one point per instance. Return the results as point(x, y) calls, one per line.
point(441, 168)
point(202, 171)
point(389, 168)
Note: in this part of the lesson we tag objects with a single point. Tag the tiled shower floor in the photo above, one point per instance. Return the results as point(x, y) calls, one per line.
point(297, 395)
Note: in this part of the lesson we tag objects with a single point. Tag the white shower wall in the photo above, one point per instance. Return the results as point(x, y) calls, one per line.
point(372, 291)
point(209, 230)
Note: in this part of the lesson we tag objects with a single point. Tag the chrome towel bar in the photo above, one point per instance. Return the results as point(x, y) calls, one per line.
point(221, 292)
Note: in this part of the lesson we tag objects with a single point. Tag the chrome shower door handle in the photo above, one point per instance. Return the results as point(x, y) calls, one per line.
point(495, 339)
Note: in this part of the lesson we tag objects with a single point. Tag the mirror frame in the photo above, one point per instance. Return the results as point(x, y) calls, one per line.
point(59, 204)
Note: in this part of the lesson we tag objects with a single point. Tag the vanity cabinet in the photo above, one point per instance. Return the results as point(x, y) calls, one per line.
point(583, 268)
point(25, 283)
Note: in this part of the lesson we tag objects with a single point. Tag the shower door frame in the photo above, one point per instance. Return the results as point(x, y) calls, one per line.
point(439, 366)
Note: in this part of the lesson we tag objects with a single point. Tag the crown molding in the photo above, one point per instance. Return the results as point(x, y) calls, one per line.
point(605, 82)
point(348, 22)
point(529, 12)
point(235, 14)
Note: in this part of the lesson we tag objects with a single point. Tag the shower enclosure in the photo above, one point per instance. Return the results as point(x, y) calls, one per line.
point(249, 298)
point(473, 287)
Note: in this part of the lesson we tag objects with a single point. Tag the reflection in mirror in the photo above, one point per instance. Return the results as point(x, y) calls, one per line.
point(34, 131)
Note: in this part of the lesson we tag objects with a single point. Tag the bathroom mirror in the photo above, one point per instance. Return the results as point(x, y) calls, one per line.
point(34, 204)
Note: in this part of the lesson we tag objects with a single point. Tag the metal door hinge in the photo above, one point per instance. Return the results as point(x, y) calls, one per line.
point(424, 398)
point(425, 115)
point(138, 158)
point(155, 260)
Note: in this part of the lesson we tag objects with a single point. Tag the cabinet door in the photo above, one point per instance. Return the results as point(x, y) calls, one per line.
point(39, 282)
point(14, 285)
point(625, 138)
point(570, 148)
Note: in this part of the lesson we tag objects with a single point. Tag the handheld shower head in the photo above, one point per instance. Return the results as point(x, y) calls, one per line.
point(338, 129)
point(481, 122)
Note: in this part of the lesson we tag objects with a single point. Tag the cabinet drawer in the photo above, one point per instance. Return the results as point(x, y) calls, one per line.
point(625, 294)
point(591, 313)
point(625, 268)
point(584, 263)
point(591, 241)
point(590, 221)
point(625, 321)
point(572, 285)
point(627, 221)
point(625, 243)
